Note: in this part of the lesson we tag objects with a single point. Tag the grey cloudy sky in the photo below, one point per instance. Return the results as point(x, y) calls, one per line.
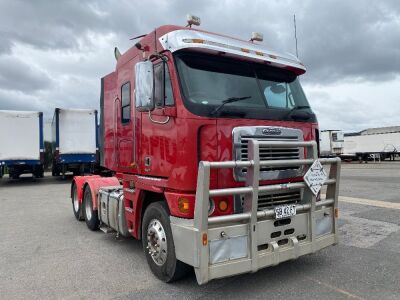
point(53, 53)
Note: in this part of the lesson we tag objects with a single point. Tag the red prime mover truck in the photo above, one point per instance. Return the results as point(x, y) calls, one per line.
point(208, 138)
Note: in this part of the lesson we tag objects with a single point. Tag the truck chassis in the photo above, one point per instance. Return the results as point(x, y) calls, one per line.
point(227, 245)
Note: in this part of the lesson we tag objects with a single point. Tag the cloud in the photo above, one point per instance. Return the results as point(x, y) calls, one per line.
point(48, 24)
point(355, 106)
point(21, 76)
point(337, 39)
point(53, 53)
point(350, 39)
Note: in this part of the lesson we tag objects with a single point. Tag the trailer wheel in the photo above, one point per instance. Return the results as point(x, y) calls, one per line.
point(91, 217)
point(158, 244)
point(76, 205)
point(55, 171)
point(38, 172)
point(13, 175)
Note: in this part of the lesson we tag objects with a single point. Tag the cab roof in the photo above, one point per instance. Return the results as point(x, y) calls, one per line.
point(175, 38)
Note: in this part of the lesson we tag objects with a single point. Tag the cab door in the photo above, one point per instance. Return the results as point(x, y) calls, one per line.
point(159, 130)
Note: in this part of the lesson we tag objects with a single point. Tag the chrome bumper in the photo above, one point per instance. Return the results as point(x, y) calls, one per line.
point(228, 245)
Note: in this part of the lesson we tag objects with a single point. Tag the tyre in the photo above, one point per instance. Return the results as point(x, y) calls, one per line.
point(38, 174)
point(91, 217)
point(76, 205)
point(55, 171)
point(13, 175)
point(158, 244)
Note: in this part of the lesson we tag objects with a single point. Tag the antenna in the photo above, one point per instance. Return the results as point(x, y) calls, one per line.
point(136, 37)
point(155, 40)
point(295, 34)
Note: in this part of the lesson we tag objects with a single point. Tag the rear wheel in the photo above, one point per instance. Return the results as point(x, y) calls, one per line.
point(158, 244)
point(76, 205)
point(91, 217)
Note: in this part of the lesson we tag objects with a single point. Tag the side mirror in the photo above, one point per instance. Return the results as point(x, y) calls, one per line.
point(144, 86)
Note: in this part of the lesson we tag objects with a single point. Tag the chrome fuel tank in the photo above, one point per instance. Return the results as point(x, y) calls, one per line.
point(111, 209)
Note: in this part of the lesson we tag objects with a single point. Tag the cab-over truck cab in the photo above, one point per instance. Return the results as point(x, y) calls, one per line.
point(209, 138)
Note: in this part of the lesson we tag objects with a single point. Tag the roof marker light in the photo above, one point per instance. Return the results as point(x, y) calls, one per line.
point(248, 51)
point(256, 36)
point(192, 20)
point(198, 41)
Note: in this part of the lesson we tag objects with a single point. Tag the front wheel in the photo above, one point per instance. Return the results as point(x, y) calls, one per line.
point(91, 217)
point(158, 244)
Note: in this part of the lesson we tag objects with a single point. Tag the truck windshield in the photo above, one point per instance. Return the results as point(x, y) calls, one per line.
point(267, 92)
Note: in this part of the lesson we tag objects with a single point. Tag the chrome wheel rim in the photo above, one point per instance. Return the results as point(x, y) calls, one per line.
point(75, 201)
point(88, 209)
point(157, 242)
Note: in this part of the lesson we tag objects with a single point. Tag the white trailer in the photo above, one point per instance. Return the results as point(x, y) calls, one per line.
point(331, 143)
point(75, 141)
point(363, 146)
point(21, 143)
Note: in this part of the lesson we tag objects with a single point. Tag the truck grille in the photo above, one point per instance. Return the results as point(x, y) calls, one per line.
point(268, 201)
point(267, 153)
point(241, 137)
point(271, 200)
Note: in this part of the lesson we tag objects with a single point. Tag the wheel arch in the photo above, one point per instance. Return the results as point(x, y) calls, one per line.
point(145, 198)
point(94, 183)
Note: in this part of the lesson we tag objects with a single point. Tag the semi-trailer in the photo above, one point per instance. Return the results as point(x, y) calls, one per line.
point(331, 143)
point(214, 151)
point(21, 143)
point(381, 143)
point(75, 141)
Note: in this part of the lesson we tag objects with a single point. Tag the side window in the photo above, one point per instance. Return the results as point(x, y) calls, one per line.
point(126, 102)
point(169, 97)
point(162, 86)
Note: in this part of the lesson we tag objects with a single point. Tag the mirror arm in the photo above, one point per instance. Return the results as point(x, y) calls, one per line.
point(157, 55)
point(158, 122)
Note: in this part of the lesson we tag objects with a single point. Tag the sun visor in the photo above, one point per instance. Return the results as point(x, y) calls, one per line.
point(191, 39)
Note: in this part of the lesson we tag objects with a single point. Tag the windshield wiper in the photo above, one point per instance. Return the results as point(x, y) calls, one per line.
point(229, 100)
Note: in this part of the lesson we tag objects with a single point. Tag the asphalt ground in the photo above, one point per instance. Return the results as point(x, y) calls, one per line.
point(46, 254)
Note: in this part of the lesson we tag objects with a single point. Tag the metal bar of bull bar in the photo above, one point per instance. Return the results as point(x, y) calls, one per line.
point(251, 190)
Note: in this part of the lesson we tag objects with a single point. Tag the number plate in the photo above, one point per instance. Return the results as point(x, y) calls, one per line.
point(285, 211)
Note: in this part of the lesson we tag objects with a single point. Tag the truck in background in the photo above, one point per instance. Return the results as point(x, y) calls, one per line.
point(380, 143)
point(331, 143)
point(21, 143)
point(209, 138)
point(75, 141)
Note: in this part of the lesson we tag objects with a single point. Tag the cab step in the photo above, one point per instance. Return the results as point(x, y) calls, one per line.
point(106, 229)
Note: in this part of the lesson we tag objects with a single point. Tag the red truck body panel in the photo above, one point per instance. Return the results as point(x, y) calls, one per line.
point(175, 148)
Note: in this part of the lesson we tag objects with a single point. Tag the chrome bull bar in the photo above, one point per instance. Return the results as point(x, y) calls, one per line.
point(196, 233)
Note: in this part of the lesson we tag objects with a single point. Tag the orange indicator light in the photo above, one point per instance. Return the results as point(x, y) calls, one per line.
point(183, 205)
point(223, 205)
point(205, 239)
point(336, 213)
